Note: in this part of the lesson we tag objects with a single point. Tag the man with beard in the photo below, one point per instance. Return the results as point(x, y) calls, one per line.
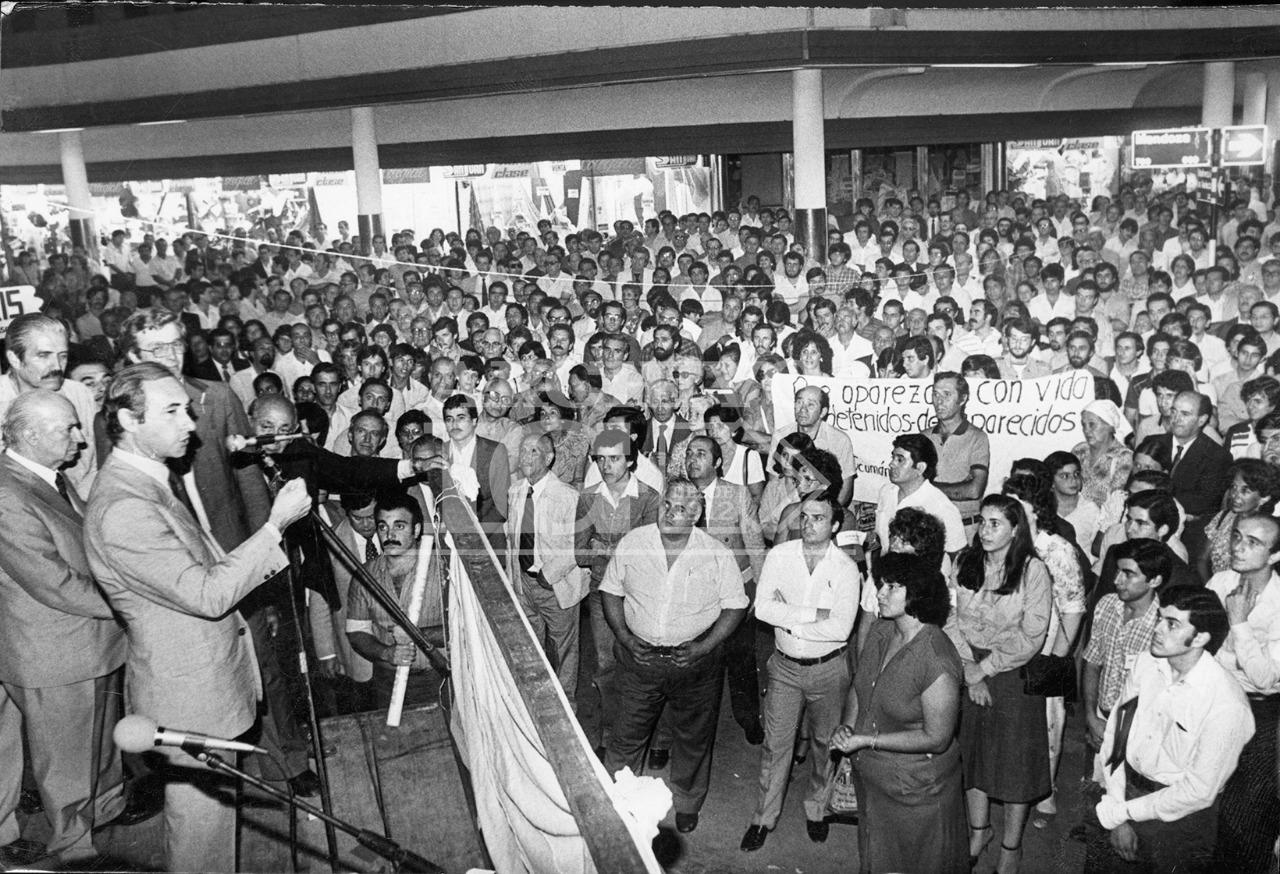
point(262, 358)
point(371, 631)
point(659, 354)
point(1079, 347)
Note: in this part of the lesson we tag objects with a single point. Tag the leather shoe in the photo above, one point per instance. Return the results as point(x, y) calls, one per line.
point(659, 759)
point(817, 829)
point(306, 784)
point(754, 733)
point(753, 839)
point(141, 806)
point(22, 852)
point(686, 822)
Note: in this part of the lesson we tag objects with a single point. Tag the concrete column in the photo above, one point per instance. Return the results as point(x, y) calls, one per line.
point(364, 148)
point(1217, 107)
point(76, 181)
point(808, 145)
point(1255, 99)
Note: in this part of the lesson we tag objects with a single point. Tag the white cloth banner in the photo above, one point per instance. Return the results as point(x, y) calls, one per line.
point(1023, 418)
point(523, 815)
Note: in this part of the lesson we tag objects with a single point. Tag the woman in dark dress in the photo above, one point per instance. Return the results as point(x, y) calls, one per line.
point(1003, 601)
point(900, 719)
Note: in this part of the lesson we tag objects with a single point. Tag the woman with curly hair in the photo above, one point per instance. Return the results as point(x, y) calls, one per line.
point(811, 353)
point(1069, 602)
point(1004, 598)
point(900, 721)
point(1255, 488)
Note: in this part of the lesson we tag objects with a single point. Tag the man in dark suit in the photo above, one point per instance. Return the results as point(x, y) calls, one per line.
point(191, 664)
point(61, 647)
point(1197, 465)
point(490, 477)
point(667, 428)
point(105, 347)
point(231, 500)
point(223, 360)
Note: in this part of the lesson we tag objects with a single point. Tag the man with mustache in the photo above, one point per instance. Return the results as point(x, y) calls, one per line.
point(371, 631)
point(36, 347)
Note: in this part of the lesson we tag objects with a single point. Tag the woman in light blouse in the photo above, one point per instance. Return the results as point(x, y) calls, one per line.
point(1003, 603)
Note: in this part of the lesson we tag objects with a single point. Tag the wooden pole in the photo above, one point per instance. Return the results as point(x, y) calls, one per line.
point(416, 594)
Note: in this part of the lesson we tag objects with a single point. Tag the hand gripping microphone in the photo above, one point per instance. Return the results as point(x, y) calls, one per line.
point(137, 734)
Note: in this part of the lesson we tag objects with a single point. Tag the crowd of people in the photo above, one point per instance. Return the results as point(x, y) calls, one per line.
point(606, 406)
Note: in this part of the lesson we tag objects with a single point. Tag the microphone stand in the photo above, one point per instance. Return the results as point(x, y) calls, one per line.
point(385, 600)
point(404, 860)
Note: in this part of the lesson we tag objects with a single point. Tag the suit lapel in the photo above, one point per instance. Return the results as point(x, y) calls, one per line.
point(43, 492)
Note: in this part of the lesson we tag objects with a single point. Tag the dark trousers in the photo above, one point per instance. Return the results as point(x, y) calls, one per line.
point(281, 734)
point(744, 678)
point(1181, 847)
point(1250, 810)
point(691, 697)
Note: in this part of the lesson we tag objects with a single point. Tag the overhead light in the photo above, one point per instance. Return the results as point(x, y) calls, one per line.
point(165, 121)
point(982, 66)
point(59, 130)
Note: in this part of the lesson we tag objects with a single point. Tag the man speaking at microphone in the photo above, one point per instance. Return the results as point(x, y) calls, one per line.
point(191, 663)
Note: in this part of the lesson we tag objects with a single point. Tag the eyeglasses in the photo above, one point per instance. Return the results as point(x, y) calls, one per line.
point(177, 347)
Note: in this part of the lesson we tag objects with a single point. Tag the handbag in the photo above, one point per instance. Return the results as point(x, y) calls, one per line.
point(1050, 676)
point(842, 800)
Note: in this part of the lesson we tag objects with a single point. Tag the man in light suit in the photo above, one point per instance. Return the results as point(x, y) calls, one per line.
point(231, 501)
point(61, 647)
point(542, 564)
point(191, 660)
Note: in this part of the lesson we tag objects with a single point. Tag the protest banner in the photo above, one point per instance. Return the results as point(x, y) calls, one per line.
point(17, 300)
point(1022, 418)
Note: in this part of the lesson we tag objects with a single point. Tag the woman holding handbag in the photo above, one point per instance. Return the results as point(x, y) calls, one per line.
point(1003, 602)
point(900, 720)
point(1052, 669)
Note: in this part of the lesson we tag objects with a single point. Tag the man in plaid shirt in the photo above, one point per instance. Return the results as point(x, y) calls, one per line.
point(840, 276)
point(1122, 627)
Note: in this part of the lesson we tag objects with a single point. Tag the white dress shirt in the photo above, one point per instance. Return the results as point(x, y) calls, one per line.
point(1186, 733)
point(1251, 651)
point(834, 584)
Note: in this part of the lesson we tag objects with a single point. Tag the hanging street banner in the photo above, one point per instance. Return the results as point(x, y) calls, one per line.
point(1022, 418)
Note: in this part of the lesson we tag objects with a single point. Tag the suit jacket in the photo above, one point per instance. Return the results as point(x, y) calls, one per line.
point(555, 507)
point(489, 461)
point(1200, 479)
point(329, 623)
point(730, 520)
point(191, 661)
point(680, 431)
point(208, 371)
point(336, 474)
point(234, 495)
point(58, 627)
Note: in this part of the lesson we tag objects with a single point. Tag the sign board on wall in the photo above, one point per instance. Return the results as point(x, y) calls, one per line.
point(1173, 147)
point(17, 300)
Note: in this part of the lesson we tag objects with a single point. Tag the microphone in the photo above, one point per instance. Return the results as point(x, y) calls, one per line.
point(240, 443)
point(137, 734)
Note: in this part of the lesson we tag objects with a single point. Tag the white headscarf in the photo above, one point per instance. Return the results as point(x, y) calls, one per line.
point(1109, 413)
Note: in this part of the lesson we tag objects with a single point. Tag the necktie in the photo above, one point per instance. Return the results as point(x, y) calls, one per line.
point(1177, 456)
point(526, 534)
point(370, 550)
point(661, 447)
point(484, 287)
point(226, 373)
point(179, 489)
point(60, 482)
point(706, 508)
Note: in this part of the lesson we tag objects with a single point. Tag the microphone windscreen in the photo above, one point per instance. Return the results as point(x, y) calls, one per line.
point(135, 734)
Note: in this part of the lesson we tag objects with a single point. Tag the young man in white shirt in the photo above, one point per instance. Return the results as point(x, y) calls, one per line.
point(810, 591)
point(1172, 744)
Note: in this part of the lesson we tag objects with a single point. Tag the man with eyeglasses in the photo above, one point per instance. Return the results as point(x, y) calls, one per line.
point(36, 348)
point(495, 419)
point(671, 594)
point(229, 502)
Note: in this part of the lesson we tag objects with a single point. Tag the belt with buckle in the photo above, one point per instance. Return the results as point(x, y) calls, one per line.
point(835, 653)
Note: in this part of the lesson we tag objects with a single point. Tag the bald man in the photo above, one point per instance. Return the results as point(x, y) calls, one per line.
point(61, 648)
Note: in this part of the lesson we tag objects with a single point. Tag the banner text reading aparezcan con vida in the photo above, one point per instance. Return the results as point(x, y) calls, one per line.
point(1022, 418)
